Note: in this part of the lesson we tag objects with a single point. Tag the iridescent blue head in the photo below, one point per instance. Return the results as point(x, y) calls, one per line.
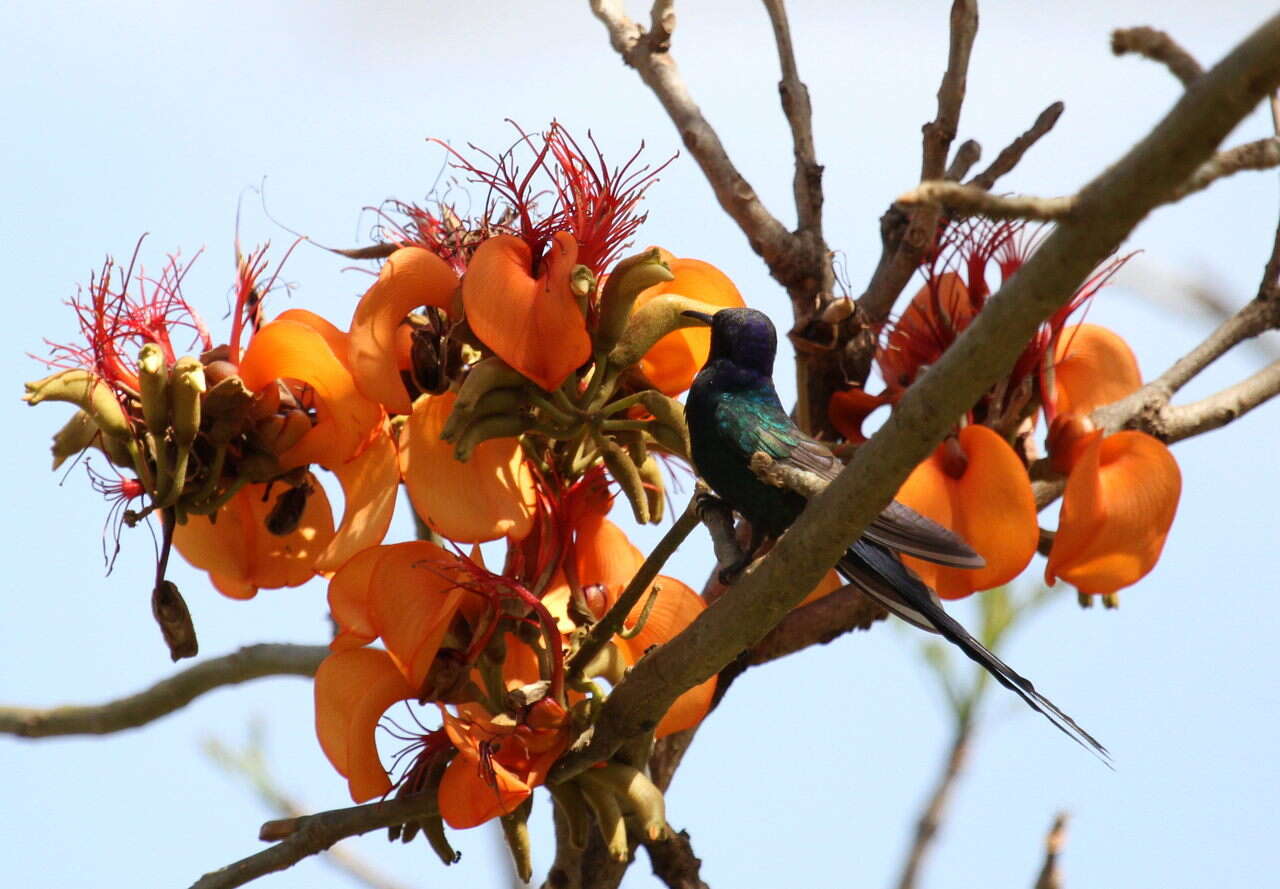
point(744, 337)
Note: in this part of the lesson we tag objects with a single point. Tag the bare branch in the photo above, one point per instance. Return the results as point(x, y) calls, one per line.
point(795, 104)
point(821, 621)
point(1108, 210)
point(161, 699)
point(674, 862)
point(249, 764)
point(1009, 158)
point(968, 154)
point(662, 24)
point(931, 817)
point(1159, 47)
point(311, 834)
point(1260, 155)
point(657, 68)
point(941, 131)
point(1050, 877)
point(967, 199)
point(1183, 421)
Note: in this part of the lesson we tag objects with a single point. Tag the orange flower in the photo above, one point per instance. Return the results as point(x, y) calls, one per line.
point(975, 485)
point(674, 360)
point(1119, 504)
point(407, 594)
point(489, 496)
point(530, 318)
point(345, 419)
point(498, 766)
point(239, 552)
point(848, 408)
point(1122, 491)
point(411, 277)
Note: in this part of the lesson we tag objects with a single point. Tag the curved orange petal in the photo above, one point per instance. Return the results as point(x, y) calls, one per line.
point(929, 325)
point(345, 418)
point(413, 596)
point(1117, 509)
point(411, 277)
point(603, 555)
point(1092, 367)
point(333, 335)
point(352, 691)
point(533, 324)
point(369, 484)
point(489, 496)
point(991, 506)
point(239, 552)
point(675, 608)
point(472, 793)
point(675, 359)
point(349, 599)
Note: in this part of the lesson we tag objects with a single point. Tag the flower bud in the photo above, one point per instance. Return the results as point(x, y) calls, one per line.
point(628, 280)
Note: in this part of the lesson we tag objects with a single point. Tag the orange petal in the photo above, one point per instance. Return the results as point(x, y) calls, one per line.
point(991, 506)
point(603, 555)
point(468, 797)
point(848, 408)
point(411, 277)
point(352, 691)
point(345, 418)
point(349, 599)
point(489, 496)
point(1119, 503)
point(413, 596)
point(533, 324)
point(675, 359)
point(929, 325)
point(369, 484)
point(239, 552)
point(334, 336)
point(1092, 367)
point(675, 608)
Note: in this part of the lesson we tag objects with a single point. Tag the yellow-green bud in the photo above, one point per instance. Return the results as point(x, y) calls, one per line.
point(187, 385)
point(88, 392)
point(153, 385)
point(659, 317)
point(76, 435)
point(629, 278)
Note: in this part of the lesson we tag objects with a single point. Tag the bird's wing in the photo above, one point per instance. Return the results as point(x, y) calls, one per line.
point(898, 527)
point(902, 528)
point(879, 574)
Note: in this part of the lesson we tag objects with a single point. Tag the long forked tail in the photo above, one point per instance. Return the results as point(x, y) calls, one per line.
point(879, 573)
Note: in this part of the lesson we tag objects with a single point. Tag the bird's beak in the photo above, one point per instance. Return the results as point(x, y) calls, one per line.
point(701, 316)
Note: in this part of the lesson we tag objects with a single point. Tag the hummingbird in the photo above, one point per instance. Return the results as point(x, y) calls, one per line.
point(733, 412)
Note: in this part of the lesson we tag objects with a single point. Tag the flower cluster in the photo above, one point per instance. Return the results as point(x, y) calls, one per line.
point(1122, 490)
point(516, 378)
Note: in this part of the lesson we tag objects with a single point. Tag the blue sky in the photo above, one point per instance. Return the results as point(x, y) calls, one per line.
point(133, 117)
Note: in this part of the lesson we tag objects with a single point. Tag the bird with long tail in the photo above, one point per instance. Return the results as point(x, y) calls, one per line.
point(734, 414)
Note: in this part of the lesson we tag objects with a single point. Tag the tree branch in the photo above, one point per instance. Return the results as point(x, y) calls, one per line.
point(1108, 210)
point(657, 68)
point(795, 105)
point(1159, 47)
point(161, 699)
point(1050, 877)
point(970, 200)
point(315, 833)
point(1260, 155)
point(931, 818)
point(1009, 158)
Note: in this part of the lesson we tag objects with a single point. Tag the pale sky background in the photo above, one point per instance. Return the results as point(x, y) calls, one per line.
point(130, 117)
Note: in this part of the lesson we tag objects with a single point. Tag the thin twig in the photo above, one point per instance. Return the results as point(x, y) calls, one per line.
point(311, 834)
point(609, 625)
point(1009, 158)
point(941, 131)
point(807, 185)
point(968, 154)
point(1050, 877)
point(931, 817)
point(166, 696)
point(1263, 154)
point(969, 200)
point(249, 765)
point(1159, 47)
